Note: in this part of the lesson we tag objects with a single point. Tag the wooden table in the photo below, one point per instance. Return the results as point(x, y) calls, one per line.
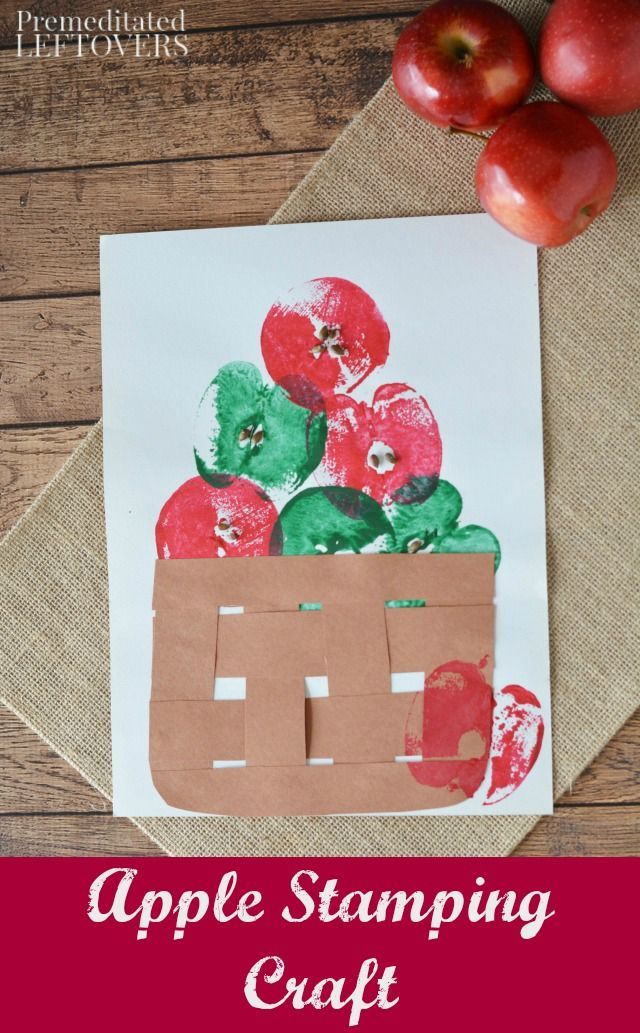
point(218, 138)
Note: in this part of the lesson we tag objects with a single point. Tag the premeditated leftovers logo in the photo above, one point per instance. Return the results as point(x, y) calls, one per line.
point(112, 33)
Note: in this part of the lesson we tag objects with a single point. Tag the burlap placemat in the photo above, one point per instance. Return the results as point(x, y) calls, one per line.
point(54, 659)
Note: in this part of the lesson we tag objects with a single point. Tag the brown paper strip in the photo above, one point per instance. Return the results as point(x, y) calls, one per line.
point(357, 650)
point(349, 729)
point(293, 642)
point(274, 583)
point(184, 652)
point(423, 639)
point(325, 789)
point(274, 722)
point(417, 639)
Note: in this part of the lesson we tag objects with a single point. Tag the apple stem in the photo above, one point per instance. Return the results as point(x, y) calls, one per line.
point(468, 132)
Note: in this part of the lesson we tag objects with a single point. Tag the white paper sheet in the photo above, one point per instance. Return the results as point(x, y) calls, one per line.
point(460, 297)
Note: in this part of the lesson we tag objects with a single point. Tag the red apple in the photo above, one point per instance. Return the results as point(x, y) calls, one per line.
point(390, 450)
point(463, 63)
point(203, 521)
point(590, 54)
point(328, 331)
point(546, 173)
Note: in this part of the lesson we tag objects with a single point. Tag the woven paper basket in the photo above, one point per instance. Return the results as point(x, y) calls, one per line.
point(275, 752)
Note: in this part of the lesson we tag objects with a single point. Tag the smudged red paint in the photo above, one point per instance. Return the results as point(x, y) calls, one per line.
point(328, 331)
point(234, 517)
point(518, 731)
point(384, 448)
point(456, 728)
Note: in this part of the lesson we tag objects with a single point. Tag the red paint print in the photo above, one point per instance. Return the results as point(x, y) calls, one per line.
point(328, 331)
point(202, 521)
point(456, 728)
point(518, 730)
point(385, 449)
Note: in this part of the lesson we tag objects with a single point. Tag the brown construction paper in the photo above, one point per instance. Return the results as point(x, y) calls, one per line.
point(294, 641)
point(357, 648)
point(274, 583)
point(349, 729)
point(415, 639)
point(361, 727)
point(274, 722)
point(326, 789)
point(184, 652)
point(423, 639)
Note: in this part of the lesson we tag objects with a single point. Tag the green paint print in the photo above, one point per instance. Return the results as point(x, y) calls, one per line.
point(247, 428)
point(320, 521)
point(469, 539)
point(433, 525)
point(416, 524)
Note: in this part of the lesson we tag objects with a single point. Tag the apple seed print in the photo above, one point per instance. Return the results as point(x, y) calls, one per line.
point(296, 465)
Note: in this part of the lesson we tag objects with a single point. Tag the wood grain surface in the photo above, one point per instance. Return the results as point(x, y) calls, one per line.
point(105, 146)
point(236, 92)
point(50, 222)
point(212, 14)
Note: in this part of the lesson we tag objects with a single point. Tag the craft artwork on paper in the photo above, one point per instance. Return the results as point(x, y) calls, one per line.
point(325, 519)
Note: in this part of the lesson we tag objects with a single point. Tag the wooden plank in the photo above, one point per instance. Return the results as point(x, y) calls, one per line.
point(236, 92)
point(35, 779)
point(202, 14)
point(614, 776)
point(28, 460)
point(49, 361)
point(573, 831)
point(73, 835)
point(585, 831)
point(50, 222)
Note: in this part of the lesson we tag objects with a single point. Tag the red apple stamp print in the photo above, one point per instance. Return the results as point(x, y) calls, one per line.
point(518, 729)
point(453, 742)
point(462, 726)
point(234, 517)
point(328, 331)
point(391, 449)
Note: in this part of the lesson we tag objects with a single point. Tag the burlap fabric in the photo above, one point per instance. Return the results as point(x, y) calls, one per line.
point(54, 660)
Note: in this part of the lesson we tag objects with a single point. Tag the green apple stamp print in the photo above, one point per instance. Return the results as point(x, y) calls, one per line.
point(247, 428)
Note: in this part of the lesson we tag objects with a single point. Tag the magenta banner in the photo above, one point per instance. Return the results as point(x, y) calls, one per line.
point(280, 944)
